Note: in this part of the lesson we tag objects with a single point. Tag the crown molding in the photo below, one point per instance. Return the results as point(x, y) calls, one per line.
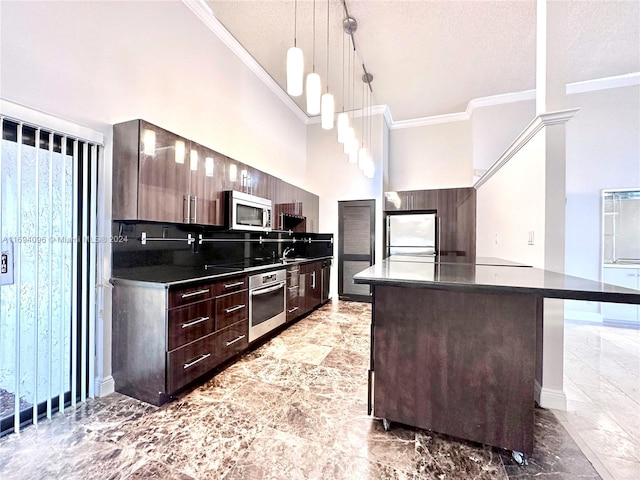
point(201, 10)
point(374, 110)
point(433, 120)
point(618, 81)
point(537, 124)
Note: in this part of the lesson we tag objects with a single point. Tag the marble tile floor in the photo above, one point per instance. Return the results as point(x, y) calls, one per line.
point(294, 408)
point(602, 384)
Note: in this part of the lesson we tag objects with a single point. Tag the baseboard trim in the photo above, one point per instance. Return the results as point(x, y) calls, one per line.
point(550, 398)
point(104, 386)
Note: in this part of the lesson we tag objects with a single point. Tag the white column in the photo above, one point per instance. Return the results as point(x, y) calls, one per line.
point(551, 53)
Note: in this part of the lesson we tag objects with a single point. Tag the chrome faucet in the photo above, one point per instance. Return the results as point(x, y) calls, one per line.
point(286, 251)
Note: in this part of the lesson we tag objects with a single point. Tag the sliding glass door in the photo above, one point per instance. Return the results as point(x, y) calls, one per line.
point(47, 280)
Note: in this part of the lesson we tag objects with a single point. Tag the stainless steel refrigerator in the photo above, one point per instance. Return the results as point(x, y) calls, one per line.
point(411, 234)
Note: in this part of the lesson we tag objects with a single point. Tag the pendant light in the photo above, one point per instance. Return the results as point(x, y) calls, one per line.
point(328, 106)
point(295, 61)
point(343, 117)
point(351, 146)
point(313, 79)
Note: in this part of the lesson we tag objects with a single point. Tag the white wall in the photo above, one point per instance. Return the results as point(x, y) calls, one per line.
point(431, 156)
point(511, 204)
point(494, 127)
point(603, 151)
point(97, 63)
point(333, 178)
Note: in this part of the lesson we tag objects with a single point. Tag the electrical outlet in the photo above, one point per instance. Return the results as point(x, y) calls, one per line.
point(497, 238)
point(530, 241)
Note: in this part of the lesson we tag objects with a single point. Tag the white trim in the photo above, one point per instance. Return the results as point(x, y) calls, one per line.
point(104, 386)
point(552, 398)
point(619, 81)
point(551, 118)
point(434, 120)
point(43, 120)
point(375, 110)
point(201, 10)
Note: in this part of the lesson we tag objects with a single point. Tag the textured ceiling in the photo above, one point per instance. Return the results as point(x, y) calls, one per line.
point(431, 57)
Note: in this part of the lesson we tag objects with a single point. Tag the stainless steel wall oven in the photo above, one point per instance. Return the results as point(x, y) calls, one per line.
point(267, 298)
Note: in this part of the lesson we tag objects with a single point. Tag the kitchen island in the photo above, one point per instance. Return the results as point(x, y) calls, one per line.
point(457, 347)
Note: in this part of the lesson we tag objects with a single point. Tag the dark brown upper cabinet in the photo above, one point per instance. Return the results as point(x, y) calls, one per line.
point(160, 176)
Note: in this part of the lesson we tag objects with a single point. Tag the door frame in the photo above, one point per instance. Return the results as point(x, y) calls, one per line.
point(371, 203)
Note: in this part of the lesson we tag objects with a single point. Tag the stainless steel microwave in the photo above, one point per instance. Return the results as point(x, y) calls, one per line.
point(247, 212)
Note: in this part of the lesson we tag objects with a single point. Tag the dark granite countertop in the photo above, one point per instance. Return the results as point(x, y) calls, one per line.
point(492, 276)
point(164, 276)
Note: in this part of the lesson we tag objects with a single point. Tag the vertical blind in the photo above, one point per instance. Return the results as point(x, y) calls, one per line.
point(47, 316)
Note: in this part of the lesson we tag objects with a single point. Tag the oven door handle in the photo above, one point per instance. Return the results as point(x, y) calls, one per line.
point(262, 291)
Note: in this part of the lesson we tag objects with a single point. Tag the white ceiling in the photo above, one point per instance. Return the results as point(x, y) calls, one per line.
point(431, 57)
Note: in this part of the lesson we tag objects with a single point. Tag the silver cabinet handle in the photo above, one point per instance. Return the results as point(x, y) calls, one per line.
point(292, 309)
point(193, 294)
point(197, 360)
point(233, 309)
point(313, 280)
point(231, 285)
point(231, 342)
point(293, 288)
point(267, 290)
point(294, 270)
point(187, 214)
point(195, 322)
point(195, 208)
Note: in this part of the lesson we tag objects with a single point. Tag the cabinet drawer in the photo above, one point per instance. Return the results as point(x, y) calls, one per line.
point(231, 340)
point(293, 308)
point(293, 276)
point(231, 285)
point(231, 308)
point(292, 292)
point(185, 296)
point(189, 323)
point(189, 362)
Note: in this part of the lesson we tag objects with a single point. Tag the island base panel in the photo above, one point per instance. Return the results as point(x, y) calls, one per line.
point(458, 363)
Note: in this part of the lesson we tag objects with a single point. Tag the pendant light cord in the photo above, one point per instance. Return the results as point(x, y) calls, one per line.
point(327, 46)
point(295, 23)
point(313, 69)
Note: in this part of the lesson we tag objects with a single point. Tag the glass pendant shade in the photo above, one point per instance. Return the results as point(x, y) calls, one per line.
point(328, 110)
point(343, 125)
point(362, 158)
point(295, 71)
point(313, 94)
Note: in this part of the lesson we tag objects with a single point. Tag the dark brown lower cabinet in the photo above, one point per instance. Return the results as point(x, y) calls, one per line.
point(293, 292)
point(165, 338)
point(458, 363)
